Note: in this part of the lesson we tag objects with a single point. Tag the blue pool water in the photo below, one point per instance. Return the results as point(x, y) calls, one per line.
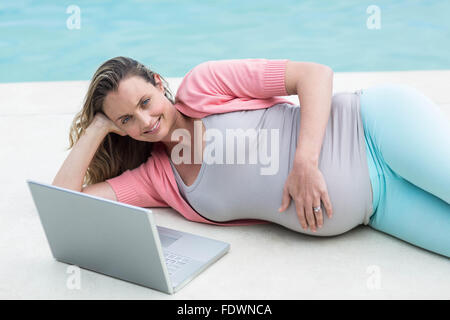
point(172, 36)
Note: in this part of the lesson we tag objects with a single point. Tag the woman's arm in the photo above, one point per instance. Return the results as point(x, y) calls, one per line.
point(313, 83)
point(72, 172)
point(305, 184)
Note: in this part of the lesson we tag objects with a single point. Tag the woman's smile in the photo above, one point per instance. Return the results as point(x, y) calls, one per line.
point(155, 127)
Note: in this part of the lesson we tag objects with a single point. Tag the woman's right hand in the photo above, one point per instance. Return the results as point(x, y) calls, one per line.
point(101, 120)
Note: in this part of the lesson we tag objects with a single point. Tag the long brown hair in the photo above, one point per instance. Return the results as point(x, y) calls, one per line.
point(116, 153)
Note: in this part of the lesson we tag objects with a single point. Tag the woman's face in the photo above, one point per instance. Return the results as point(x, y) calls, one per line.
point(137, 105)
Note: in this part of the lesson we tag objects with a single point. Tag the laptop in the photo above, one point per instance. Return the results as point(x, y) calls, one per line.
point(120, 240)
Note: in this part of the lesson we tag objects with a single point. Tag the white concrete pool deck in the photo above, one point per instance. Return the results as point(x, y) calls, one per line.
point(264, 262)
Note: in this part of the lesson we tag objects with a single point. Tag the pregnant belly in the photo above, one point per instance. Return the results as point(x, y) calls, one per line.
point(345, 217)
point(347, 190)
point(347, 193)
point(343, 163)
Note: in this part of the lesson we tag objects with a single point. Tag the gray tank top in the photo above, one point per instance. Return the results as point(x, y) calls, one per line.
point(251, 187)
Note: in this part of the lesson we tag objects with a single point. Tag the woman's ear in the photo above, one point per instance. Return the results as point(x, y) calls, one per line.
point(159, 84)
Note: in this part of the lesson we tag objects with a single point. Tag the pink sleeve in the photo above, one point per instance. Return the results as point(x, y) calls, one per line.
point(219, 81)
point(135, 187)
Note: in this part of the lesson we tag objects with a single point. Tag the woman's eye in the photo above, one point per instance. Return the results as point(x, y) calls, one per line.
point(125, 120)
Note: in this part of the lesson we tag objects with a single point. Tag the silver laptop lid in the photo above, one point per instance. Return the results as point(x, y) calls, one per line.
point(105, 236)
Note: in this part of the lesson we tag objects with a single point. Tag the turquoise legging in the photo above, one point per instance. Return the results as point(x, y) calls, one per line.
point(408, 150)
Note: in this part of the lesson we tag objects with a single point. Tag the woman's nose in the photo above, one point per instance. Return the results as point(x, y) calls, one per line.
point(146, 120)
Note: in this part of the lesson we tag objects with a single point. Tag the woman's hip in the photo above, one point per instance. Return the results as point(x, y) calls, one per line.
point(405, 135)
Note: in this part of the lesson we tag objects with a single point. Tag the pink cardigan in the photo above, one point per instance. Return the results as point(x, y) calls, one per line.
point(209, 88)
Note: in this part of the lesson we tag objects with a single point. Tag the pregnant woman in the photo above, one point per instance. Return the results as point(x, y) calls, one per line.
point(229, 150)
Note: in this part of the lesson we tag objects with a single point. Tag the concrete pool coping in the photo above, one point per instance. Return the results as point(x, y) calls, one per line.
point(36, 118)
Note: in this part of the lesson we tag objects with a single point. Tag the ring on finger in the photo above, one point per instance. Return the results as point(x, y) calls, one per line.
point(317, 214)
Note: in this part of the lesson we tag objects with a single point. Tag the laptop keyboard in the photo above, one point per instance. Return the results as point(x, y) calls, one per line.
point(174, 261)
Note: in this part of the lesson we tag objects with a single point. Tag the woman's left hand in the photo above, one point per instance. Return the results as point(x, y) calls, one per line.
point(307, 186)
